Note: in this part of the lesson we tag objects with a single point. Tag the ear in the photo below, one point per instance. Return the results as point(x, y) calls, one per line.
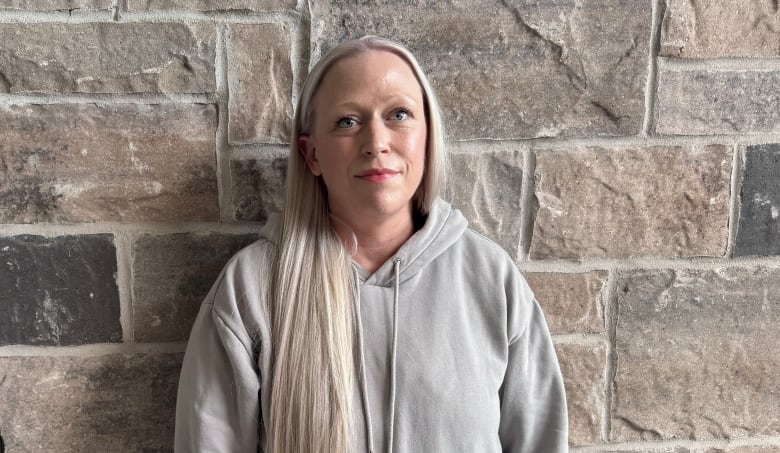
point(306, 148)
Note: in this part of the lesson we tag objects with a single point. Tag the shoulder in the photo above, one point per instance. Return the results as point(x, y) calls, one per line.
point(481, 252)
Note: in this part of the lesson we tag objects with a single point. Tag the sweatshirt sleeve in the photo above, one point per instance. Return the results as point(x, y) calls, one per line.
point(218, 402)
point(533, 400)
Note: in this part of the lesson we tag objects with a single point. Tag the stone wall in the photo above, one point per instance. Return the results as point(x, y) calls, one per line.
point(625, 152)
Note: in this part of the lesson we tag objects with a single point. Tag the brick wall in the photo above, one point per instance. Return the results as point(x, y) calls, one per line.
point(625, 152)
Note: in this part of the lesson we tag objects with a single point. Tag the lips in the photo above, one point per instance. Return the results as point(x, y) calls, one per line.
point(377, 174)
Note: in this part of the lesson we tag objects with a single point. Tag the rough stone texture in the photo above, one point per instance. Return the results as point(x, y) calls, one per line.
point(107, 58)
point(58, 291)
point(588, 57)
point(55, 5)
point(654, 201)
point(84, 163)
point(212, 5)
point(721, 28)
point(117, 403)
point(258, 187)
point(583, 374)
point(697, 354)
point(486, 187)
point(171, 276)
point(261, 83)
point(744, 450)
point(758, 232)
point(572, 303)
point(717, 102)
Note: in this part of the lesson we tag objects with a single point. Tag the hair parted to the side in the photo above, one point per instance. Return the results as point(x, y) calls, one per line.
point(312, 299)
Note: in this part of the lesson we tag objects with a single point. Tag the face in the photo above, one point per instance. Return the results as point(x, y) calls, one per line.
point(368, 136)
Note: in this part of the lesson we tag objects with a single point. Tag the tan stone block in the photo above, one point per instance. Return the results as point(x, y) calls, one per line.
point(540, 69)
point(117, 403)
point(572, 303)
point(172, 274)
point(124, 163)
point(258, 187)
point(717, 102)
point(55, 5)
point(486, 187)
point(261, 82)
point(697, 354)
point(720, 28)
point(211, 5)
point(134, 57)
point(583, 369)
point(662, 201)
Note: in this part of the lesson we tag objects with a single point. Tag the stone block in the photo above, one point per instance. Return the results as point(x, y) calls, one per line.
point(117, 403)
point(261, 82)
point(699, 102)
point(124, 163)
point(171, 276)
point(572, 303)
point(58, 291)
point(540, 69)
point(211, 5)
point(697, 354)
point(720, 28)
point(55, 5)
point(486, 187)
point(583, 369)
point(758, 231)
point(258, 187)
point(104, 57)
point(661, 201)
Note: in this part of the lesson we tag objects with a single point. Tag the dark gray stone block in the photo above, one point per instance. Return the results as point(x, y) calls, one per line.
point(58, 291)
point(758, 230)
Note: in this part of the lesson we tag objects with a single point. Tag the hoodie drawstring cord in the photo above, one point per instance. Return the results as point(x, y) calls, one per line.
point(363, 385)
point(394, 353)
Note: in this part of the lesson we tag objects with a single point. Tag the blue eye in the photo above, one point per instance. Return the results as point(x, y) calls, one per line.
point(346, 122)
point(400, 114)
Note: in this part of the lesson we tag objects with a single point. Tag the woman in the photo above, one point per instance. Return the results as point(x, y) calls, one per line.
point(369, 317)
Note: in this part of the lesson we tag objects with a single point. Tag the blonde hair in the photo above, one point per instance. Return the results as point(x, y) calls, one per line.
point(313, 287)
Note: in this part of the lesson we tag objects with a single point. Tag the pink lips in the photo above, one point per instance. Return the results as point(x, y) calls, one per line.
point(377, 174)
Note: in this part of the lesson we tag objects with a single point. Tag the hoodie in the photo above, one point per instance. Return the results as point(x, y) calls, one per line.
point(454, 353)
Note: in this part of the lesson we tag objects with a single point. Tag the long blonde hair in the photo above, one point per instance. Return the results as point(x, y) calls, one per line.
point(313, 287)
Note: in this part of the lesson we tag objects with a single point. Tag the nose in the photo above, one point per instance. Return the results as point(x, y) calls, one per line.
point(376, 138)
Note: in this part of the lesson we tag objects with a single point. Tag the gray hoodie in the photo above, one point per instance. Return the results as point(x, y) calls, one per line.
point(472, 368)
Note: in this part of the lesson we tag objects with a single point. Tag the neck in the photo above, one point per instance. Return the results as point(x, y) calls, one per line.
point(377, 238)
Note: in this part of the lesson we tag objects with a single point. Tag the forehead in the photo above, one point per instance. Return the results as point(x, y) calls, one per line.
point(374, 71)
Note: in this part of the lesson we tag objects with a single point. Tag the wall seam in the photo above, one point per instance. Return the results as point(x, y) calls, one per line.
point(222, 67)
point(737, 174)
point(527, 204)
point(609, 301)
point(651, 86)
point(124, 260)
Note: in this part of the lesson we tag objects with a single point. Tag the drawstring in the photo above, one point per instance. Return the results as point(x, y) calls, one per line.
point(363, 385)
point(393, 361)
point(394, 354)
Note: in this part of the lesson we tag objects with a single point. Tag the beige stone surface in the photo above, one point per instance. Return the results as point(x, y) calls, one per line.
point(261, 82)
point(211, 5)
point(661, 201)
point(172, 274)
point(113, 403)
point(697, 354)
point(583, 374)
point(520, 70)
point(123, 163)
point(486, 187)
point(572, 303)
point(721, 28)
point(258, 187)
point(701, 102)
point(55, 5)
point(133, 57)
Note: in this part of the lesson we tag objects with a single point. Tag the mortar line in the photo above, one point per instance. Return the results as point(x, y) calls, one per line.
point(92, 350)
point(299, 54)
point(609, 301)
point(737, 175)
point(554, 143)
point(116, 6)
point(170, 16)
point(57, 17)
point(583, 339)
point(695, 263)
point(51, 230)
point(737, 64)
point(254, 150)
point(658, 445)
point(124, 280)
point(651, 87)
point(222, 139)
point(527, 205)
point(106, 99)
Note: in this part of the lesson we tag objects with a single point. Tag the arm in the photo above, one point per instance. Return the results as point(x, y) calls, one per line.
point(217, 407)
point(533, 401)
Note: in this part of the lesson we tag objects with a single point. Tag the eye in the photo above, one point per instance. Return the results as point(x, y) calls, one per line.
point(400, 115)
point(346, 122)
